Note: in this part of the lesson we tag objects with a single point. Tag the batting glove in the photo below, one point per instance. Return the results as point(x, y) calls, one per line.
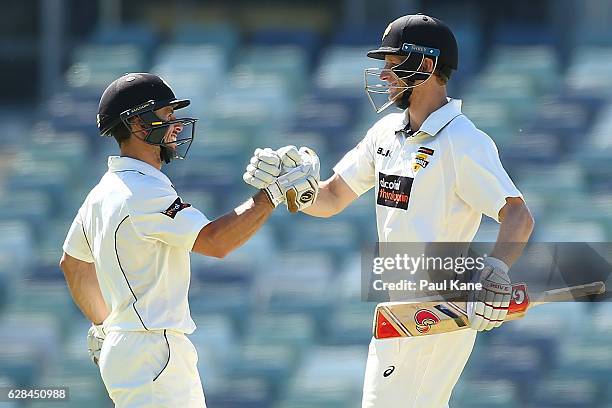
point(488, 307)
point(298, 188)
point(309, 157)
point(267, 164)
point(95, 338)
point(290, 158)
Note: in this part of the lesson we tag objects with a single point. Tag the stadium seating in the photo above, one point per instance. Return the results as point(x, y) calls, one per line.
point(95, 66)
point(221, 35)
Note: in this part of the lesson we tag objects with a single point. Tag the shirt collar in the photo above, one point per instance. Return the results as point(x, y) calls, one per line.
point(121, 163)
point(441, 117)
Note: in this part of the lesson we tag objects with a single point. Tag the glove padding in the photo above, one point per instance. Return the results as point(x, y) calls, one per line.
point(95, 338)
point(298, 188)
point(267, 164)
point(309, 157)
point(290, 158)
point(487, 308)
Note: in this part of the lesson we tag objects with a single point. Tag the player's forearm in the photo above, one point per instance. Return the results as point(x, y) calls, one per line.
point(516, 226)
point(84, 288)
point(229, 232)
point(324, 206)
point(334, 196)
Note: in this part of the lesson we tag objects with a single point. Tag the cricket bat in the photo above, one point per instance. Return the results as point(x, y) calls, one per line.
point(397, 319)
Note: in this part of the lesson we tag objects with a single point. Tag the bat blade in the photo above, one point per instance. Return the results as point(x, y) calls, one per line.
point(419, 319)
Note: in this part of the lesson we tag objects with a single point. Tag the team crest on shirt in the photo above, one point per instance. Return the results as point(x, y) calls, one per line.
point(420, 159)
point(175, 207)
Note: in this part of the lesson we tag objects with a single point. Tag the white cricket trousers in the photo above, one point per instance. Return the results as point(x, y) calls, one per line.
point(415, 372)
point(156, 368)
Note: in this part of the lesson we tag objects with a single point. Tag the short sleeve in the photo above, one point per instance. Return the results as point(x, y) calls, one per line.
point(357, 167)
point(163, 216)
point(76, 244)
point(481, 180)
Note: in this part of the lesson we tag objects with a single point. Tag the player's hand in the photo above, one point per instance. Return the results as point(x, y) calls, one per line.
point(308, 156)
point(267, 164)
point(488, 307)
point(298, 188)
point(95, 338)
point(290, 158)
point(263, 168)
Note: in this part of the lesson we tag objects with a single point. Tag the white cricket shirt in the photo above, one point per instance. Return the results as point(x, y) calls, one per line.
point(138, 233)
point(433, 186)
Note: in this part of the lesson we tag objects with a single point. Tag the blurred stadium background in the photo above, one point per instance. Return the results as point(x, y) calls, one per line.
point(272, 332)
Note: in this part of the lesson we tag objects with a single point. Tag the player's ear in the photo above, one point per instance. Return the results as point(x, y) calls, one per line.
point(428, 65)
point(136, 128)
point(136, 124)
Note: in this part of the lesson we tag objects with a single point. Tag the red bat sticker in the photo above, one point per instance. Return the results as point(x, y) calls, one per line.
point(519, 302)
point(425, 319)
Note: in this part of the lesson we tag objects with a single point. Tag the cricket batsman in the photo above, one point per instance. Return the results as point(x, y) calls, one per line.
point(126, 256)
point(435, 174)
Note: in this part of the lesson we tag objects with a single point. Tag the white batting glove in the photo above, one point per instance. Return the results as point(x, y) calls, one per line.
point(310, 162)
point(308, 156)
point(487, 308)
point(298, 188)
point(290, 158)
point(95, 338)
point(267, 164)
point(263, 168)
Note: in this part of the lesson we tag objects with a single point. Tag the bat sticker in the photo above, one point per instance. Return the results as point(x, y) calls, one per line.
point(425, 319)
point(519, 301)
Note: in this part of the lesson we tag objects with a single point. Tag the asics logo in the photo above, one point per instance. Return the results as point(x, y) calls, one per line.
point(388, 371)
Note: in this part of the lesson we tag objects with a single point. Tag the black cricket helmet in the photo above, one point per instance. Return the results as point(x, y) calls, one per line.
point(416, 37)
point(139, 95)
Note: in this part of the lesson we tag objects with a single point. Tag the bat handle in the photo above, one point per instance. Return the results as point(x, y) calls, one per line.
point(520, 302)
point(572, 292)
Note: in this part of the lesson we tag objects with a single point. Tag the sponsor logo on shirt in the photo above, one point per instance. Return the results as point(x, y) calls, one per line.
point(426, 150)
point(394, 191)
point(383, 152)
point(175, 207)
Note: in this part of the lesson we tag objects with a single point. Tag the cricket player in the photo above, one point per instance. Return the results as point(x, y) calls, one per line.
point(434, 173)
point(126, 256)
